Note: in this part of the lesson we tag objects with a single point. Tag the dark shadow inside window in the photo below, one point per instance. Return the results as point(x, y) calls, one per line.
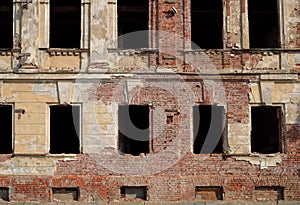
point(65, 26)
point(133, 17)
point(263, 24)
point(133, 129)
point(266, 129)
point(6, 23)
point(208, 126)
point(6, 129)
point(207, 24)
point(64, 129)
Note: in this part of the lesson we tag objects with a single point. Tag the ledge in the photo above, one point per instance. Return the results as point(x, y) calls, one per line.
point(242, 50)
point(66, 51)
point(133, 51)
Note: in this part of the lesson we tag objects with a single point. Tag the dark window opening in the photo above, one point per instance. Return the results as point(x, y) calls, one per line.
point(64, 129)
point(209, 193)
point(169, 119)
point(65, 194)
point(6, 23)
point(134, 129)
point(133, 17)
point(6, 129)
point(4, 194)
point(207, 24)
point(263, 24)
point(65, 27)
point(266, 129)
point(139, 192)
point(269, 193)
point(208, 124)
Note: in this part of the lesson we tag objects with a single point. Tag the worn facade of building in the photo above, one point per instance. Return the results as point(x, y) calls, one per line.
point(150, 101)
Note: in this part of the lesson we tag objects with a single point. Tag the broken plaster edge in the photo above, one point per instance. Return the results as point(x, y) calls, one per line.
point(262, 160)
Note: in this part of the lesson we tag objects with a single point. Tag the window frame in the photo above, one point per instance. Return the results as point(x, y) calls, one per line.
point(224, 129)
point(76, 189)
point(117, 44)
point(123, 192)
point(44, 37)
point(13, 112)
point(282, 131)
point(12, 27)
point(80, 126)
point(223, 12)
point(281, 30)
point(149, 133)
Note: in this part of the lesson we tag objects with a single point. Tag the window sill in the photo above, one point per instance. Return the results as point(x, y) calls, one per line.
point(8, 51)
point(133, 50)
point(255, 155)
point(65, 51)
point(245, 50)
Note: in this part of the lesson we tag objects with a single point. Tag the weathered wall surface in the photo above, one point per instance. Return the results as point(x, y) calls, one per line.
point(170, 78)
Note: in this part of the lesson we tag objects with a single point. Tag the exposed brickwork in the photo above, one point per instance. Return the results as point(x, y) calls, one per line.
point(170, 78)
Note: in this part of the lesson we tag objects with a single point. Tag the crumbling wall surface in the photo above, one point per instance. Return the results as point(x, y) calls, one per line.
point(169, 78)
point(170, 171)
point(292, 23)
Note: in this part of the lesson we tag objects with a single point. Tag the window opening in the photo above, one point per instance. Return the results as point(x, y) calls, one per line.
point(263, 24)
point(268, 193)
point(6, 135)
point(133, 129)
point(4, 194)
point(65, 194)
point(139, 192)
point(266, 129)
point(209, 193)
point(133, 17)
point(208, 129)
point(207, 24)
point(65, 26)
point(64, 129)
point(6, 23)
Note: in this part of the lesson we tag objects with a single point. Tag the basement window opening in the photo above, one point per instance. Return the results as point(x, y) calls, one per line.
point(64, 129)
point(207, 24)
point(133, 129)
point(208, 129)
point(6, 23)
point(6, 134)
point(4, 194)
point(263, 24)
point(133, 17)
point(65, 26)
point(65, 194)
point(266, 129)
point(268, 193)
point(133, 193)
point(209, 193)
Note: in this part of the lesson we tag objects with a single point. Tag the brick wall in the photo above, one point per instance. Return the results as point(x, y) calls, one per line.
point(170, 81)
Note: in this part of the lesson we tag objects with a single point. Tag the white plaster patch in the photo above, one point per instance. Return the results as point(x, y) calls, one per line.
point(264, 161)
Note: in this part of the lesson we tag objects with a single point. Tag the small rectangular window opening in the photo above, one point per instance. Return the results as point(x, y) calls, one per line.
point(269, 193)
point(266, 129)
point(207, 24)
point(208, 128)
point(133, 23)
point(209, 193)
point(132, 193)
point(65, 26)
point(4, 194)
point(6, 123)
point(65, 194)
point(263, 24)
point(6, 23)
point(64, 129)
point(133, 129)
